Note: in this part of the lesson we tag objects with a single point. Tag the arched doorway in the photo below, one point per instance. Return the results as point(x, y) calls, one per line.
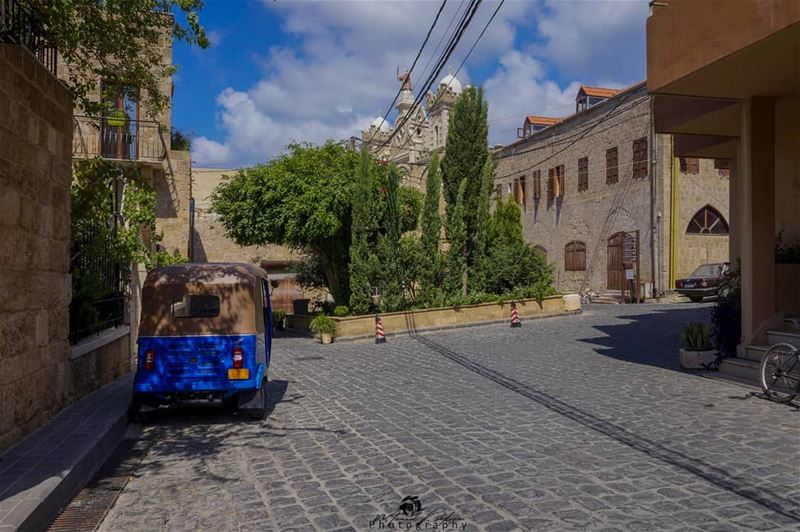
point(616, 270)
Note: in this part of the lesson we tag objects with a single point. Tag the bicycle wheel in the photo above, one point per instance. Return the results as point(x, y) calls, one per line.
point(780, 373)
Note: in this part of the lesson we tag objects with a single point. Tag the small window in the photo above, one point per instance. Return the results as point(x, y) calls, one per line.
point(640, 158)
point(690, 165)
point(723, 167)
point(559, 193)
point(708, 221)
point(575, 257)
point(612, 165)
point(195, 306)
point(519, 192)
point(537, 185)
point(551, 185)
point(583, 174)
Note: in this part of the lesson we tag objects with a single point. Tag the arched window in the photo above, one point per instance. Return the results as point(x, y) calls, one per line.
point(707, 221)
point(575, 257)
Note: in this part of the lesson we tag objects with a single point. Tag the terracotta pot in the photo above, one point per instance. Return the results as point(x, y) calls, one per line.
point(696, 359)
point(326, 338)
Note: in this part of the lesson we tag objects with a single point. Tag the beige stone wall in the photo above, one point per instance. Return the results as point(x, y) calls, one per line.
point(35, 174)
point(172, 184)
point(211, 243)
point(594, 215)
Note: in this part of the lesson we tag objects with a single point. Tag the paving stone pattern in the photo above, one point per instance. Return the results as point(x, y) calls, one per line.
point(577, 423)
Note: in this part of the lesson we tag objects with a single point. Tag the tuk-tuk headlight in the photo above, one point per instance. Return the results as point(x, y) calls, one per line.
point(238, 357)
point(149, 360)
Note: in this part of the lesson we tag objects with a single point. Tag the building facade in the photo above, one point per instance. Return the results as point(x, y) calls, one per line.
point(417, 132)
point(590, 184)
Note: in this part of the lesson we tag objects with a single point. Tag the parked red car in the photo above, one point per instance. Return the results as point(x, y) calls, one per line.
point(703, 282)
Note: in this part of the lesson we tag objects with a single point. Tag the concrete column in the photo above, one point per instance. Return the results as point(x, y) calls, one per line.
point(734, 235)
point(756, 199)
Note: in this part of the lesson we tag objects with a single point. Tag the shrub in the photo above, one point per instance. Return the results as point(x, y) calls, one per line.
point(696, 336)
point(278, 315)
point(341, 310)
point(323, 324)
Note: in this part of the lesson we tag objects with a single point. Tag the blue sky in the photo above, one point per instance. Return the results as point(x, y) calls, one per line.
point(301, 70)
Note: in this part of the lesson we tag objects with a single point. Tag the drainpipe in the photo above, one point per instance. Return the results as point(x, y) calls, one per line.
point(673, 219)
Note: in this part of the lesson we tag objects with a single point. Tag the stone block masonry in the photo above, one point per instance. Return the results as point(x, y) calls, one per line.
point(35, 175)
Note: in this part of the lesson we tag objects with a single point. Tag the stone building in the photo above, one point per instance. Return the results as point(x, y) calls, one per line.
point(209, 243)
point(417, 132)
point(588, 182)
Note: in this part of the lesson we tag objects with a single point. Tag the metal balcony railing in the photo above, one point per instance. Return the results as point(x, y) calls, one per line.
point(21, 24)
point(112, 138)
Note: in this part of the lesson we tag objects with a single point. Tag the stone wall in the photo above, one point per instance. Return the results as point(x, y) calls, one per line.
point(172, 184)
point(35, 175)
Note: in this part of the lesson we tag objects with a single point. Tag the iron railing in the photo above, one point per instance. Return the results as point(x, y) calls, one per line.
point(21, 24)
point(118, 139)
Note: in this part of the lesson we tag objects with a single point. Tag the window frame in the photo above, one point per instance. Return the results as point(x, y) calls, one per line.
point(575, 256)
point(694, 227)
point(612, 165)
point(583, 174)
point(639, 158)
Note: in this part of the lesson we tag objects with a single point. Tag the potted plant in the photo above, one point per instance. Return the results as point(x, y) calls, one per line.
point(279, 319)
point(325, 326)
point(697, 352)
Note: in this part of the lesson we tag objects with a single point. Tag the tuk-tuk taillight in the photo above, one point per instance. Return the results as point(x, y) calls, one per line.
point(238, 357)
point(149, 359)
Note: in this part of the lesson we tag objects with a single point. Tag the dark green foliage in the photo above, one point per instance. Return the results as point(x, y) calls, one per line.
point(465, 157)
point(786, 252)
point(696, 336)
point(726, 316)
point(456, 281)
point(427, 270)
point(482, 229)
point(390, 277)
point(180, 141)
point(341, 311)
point(363, 226)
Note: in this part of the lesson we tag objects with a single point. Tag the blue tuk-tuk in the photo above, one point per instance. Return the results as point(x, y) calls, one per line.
point(205, 336)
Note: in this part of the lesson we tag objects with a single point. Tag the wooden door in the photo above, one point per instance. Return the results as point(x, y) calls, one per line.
point(616, 271)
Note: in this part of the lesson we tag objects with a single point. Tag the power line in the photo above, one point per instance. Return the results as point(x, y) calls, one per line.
point(419, 52)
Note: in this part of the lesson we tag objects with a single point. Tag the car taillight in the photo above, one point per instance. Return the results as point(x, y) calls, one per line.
point(678, 284)
point(149, 360)
point(238, 357)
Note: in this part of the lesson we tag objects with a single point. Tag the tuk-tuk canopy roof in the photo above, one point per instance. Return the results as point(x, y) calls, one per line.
point(238, 287)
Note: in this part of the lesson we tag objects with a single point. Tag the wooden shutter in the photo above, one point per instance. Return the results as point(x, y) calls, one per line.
point(583, 174)
point(575, 257)
point(551, 185)
point(537, 185)
point(612, 169)
point(690, 165)
point(560, 181)
point(640, 158)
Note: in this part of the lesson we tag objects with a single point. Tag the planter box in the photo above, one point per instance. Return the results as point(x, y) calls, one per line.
point(787, 288)
point(352, 327)
point(697, 359)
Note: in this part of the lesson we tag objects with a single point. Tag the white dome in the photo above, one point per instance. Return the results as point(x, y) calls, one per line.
point(381, 124)
point(452, 82)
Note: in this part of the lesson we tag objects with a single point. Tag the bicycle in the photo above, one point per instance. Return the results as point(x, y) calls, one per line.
point(780, 373)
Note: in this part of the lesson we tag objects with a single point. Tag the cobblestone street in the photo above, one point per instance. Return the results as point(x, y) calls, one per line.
point(574, 423)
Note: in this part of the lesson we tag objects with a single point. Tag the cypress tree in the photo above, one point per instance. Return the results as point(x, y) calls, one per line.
point(465, 158)
point(456, 283)
point(431, 229)
point(391, 275)
point(360, 301)
point(482, 227)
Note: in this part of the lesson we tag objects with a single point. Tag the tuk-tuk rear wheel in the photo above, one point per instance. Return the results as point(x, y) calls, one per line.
point(259, 412)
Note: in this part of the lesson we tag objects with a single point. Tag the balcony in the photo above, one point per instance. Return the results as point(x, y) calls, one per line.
point(20, 24)
point(118, 139)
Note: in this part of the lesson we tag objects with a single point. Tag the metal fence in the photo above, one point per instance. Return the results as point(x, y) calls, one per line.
point(21, 24)
point(120, 139)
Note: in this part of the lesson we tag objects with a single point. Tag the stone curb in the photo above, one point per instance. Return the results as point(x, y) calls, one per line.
point(40, 474)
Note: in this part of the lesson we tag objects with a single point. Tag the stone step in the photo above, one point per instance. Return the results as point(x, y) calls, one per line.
point(783, 337)
point(741, 368)
point(755, 352)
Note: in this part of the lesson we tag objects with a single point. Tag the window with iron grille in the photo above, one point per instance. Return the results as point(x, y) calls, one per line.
point(612, 168)
point(690, 165)
point(575, 257)
point(708, 221)
point(583, 174)
point(640, 158)
point(537, 185)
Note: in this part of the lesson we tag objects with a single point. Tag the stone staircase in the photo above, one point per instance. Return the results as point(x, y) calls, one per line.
point(746, 368)
point(608, 297)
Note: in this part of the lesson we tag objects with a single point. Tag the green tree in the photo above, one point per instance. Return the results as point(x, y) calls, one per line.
point(482, 228)
point(391, 275)
point(465, 157)
point(120, 42)
point(300, 199)
point(456, 282)
point(362, 228)
point(431, 225)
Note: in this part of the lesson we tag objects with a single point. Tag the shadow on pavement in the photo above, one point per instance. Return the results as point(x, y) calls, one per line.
point(653, 338)
point(764, 496)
